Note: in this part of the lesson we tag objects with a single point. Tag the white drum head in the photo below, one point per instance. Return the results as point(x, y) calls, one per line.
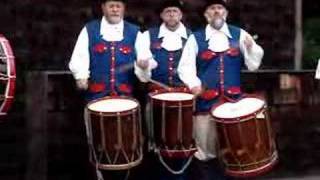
point(173, 96)
point(113, 105)
point(245, 106)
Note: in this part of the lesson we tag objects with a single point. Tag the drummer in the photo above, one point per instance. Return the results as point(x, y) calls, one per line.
point(109, 39)
point(163, 47)
point(102, 61)
point(210, 66)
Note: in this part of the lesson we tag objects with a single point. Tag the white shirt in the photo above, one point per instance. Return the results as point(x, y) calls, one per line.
point(171, 42)
point(317, 76)
point(218, 42)
point(80, 59)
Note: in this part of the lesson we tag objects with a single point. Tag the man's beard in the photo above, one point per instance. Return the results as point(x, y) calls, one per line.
point(173, 25)
point(114, 19)
point(217, 23)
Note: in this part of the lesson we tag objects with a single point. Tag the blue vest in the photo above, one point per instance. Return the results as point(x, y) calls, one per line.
point(166, 71)
point(219, 72)
point(111, 63)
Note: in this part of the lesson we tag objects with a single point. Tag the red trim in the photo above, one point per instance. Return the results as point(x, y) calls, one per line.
point(9, 84)
point(97, 87)
point(171, 67)
point(234, 90)
point(125, 49)
point(113, 67)
point(6, 105)
point(100, 48)
point(125, 88)
point(209, 94)
point(207, 55)
point(221, 74)
point(253, 173)
point(233, 52)
point(114, 94)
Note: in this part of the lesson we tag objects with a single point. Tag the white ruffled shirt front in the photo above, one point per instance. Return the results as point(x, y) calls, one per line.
point(218, 39)
point(218, 42)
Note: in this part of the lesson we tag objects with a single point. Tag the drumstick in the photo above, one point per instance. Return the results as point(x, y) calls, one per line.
point(131, 65)
point(159, 84)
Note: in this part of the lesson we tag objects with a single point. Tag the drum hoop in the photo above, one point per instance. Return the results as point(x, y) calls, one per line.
point(190, 151)
point(11, 74)
point(121, 113)
point(255, 172)
point(120, 166)
point(186, 103)
point(240, 118)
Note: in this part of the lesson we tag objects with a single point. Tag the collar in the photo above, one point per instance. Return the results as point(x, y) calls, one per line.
point(181, 31)
point(105, 25)
point(224, 29)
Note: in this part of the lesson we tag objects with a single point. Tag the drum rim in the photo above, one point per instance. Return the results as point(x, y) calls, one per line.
point(239, 118)
point(274, 159)
point(11, 73)
point(113, 113)
point(173, 90)
point(129, 165)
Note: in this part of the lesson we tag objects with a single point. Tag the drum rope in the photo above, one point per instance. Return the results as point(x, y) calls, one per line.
point(134, 125)
point(150, 122)
point(180, 123)
point(163, 124)
point(258, 134)
point(244, 148)
point(183, 168)
point(119, 130)
point(272, 144)
point(90, 143)
point(229, 148)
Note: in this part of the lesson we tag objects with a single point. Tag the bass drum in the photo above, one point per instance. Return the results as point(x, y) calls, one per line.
point(7, 76)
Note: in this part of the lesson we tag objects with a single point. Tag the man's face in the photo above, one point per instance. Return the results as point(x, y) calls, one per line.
point(171, 16)
point(216, 15)
point(113, 11)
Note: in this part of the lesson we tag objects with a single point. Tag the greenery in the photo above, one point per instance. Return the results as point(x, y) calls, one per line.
point(311, 51)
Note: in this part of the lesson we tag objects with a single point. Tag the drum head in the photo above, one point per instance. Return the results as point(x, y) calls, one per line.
point(243, 107)
point(113, 105)
point(7, 75)
point(173, 96)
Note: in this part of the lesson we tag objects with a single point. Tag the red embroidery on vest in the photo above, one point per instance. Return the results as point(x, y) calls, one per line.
point(234, 90)
point(209, 94)
point(125, 88)
point(125, 49)
point(100, 48)
point(97, 87)
point(233, 52)
point(207, 55)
